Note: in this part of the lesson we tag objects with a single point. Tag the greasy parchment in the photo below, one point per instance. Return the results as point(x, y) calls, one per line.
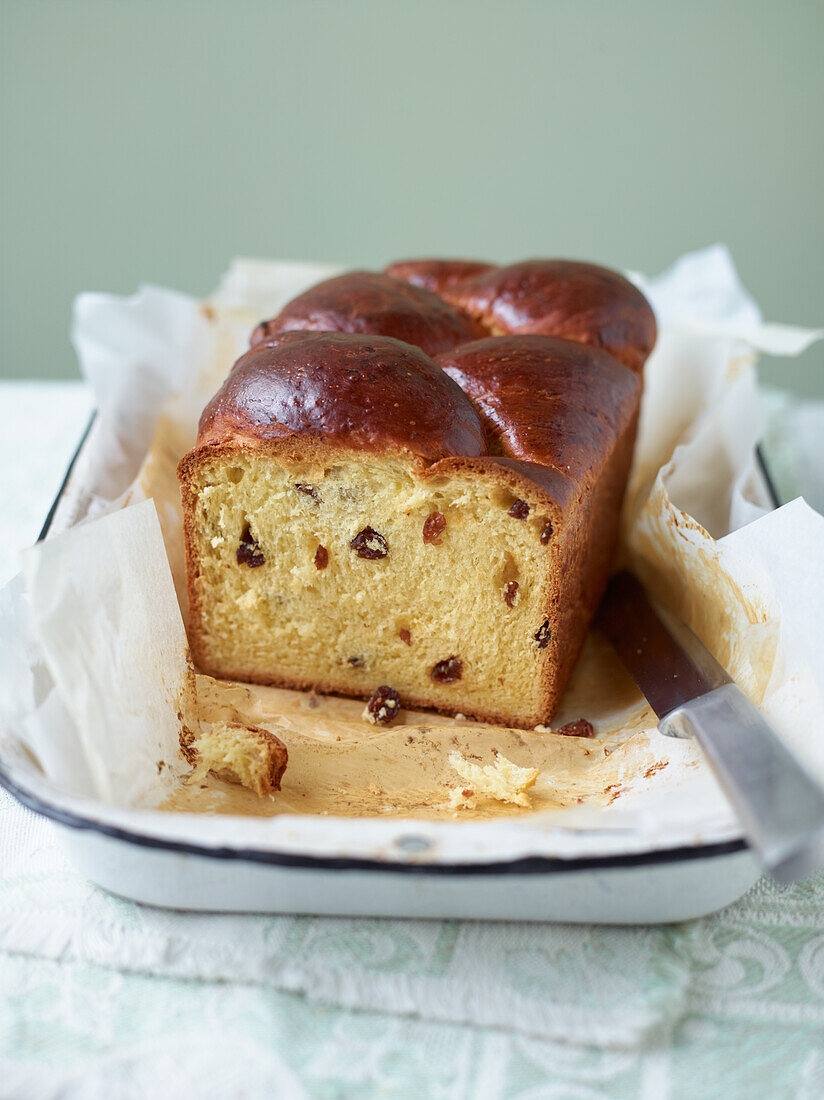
point(340, 764)
point(97, 656)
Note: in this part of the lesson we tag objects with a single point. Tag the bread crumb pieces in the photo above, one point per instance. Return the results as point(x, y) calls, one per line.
point(462, 798)
point(249, 600)
point(248, 755)
point(542, 729)
point(502, 781)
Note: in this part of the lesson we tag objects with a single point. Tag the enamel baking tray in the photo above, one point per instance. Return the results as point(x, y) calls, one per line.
point(668, 884)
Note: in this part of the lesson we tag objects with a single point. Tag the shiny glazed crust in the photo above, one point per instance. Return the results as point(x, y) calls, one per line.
point(437, 275)
point(578, 301)
point(536, 410)
point(369, 392)
point(546, 400)
point(368, 302)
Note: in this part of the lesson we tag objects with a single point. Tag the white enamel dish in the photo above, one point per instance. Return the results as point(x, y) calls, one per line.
point(414, 876)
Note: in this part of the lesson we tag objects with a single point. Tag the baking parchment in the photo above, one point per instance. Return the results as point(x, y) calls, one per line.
point(92, 653)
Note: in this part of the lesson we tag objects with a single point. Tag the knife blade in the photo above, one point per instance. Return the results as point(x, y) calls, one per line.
point(780, 807)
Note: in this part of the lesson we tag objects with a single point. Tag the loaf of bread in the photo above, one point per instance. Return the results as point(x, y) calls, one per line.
point(413, 480)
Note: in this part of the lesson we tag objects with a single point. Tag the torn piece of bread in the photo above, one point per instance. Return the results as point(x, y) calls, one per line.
point(502, 781)
point(248, 755)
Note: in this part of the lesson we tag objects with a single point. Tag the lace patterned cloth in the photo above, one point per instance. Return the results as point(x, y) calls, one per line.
point(103, 998)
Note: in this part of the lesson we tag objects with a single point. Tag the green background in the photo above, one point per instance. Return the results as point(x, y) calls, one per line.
point(150, 142)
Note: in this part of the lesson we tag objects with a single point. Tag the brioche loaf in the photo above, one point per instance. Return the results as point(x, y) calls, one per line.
point(383, 493)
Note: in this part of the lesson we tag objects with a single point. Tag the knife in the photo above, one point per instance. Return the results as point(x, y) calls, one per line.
point(781, 809)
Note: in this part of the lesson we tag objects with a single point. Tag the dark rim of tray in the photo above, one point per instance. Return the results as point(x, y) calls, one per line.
point(526, 865)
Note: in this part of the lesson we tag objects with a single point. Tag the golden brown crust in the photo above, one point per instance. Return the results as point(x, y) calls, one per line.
point(546, 400)
point(587, 551)
point(368, 302)
point(366, 392)
point(436, 275)
point(577, 301)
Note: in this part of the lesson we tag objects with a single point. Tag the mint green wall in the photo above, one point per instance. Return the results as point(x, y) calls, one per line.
point(150, 141)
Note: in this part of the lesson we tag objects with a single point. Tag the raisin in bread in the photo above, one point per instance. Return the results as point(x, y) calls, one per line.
point(358, 513)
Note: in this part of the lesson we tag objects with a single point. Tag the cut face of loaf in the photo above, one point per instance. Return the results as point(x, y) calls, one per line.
point(359, 571)
point(358, 516)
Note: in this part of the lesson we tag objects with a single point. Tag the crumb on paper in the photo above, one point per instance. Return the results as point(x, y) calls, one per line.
point(502, 781)
point(462, 798)
point(248, 755)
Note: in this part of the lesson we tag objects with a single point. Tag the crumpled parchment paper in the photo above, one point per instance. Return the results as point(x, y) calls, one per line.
point(92, 650)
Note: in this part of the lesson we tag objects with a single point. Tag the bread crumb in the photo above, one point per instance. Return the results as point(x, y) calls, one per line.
point(248, 755)
point(542, 729)
point(502, 781)
point(462, 798)
point(248, 600)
